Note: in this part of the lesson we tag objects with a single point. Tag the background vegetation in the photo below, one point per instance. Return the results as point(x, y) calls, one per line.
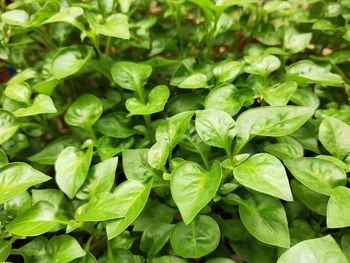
point(175, 131)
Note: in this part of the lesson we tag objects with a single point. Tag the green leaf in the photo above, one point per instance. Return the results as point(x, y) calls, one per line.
point(84, 111)
point(233, 229)
point(224, 98)
point(346, 35)
point(264, 173)
point(116, 125)
point(3, 158)
point(306, 98)
point(35, 250)
point(37, 220)
point(295, 42)
point(313, 200)
point(334, 160)
point(102, 206)
point(154, 238)
point(184, 102)
point(72, 166)
point(319, 250)
point(68, 61)
point(307, 137)
point(15, 17)
point(192, 187)
point(274, 121)
point(42, 104)
point(8, 125)
point(106, 148)
point(18, 205)
point(49, 154)
point(22, 76)
point(16, 144)
point(345, 243)
point(216, 128)
point(334, 136)
point(133, 195)
point(154, 212)
point(5, 249)
point(194, 81)
point(157, 98)
point(55, 197)
point(319, 175)
point(306, 71)
point(235, 2)
point(88, 258)
point(285, 150)
point(265, 219)
point(116, 25)
point(279, 94)
point(20, 92)
point(168, 259)
point(227, 71)
point(47, 86)
point(158, 154)
point(60, 249)
point(220, 260)
point(64, 248)
point(15, 178)
point(168, 135)
point(99, 179)
point(197, 239)
point(135, 165)
point(262, 65)
point(338, 215)
point(67, 15)
point(130, 75)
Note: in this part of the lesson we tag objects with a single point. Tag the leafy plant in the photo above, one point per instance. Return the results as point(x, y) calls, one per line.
point(175, 131)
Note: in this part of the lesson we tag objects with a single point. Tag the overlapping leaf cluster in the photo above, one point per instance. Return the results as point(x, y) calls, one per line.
point(175, 131)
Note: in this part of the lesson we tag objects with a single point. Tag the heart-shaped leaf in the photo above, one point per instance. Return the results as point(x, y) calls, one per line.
point(338, 208)
point(157, 98)
point(265, 219)
point(216, 128)
point(131, 76)
point(264, 173)
point(309, 72)
point(37, 220)
point(192, 187)
point(334, 136)
point(42, 104)
point(72, 166)
point(270, 121)
point(8, 125)
point(15, 178)
point(319, 175)
point(84, 111)
point(133, 196)
point(201, 237)
point(319, 250)
point(116, 25)
point(69, 61)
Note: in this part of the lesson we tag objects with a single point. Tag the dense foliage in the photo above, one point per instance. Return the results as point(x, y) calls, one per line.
point(173, 131)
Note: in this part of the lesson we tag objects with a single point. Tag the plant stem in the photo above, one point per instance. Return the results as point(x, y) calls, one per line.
point(148, 122)
point(96, 43)
point(88, 243)
point(92, 133)
point(108, 45)
point(205, 160)
point(178, 27)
